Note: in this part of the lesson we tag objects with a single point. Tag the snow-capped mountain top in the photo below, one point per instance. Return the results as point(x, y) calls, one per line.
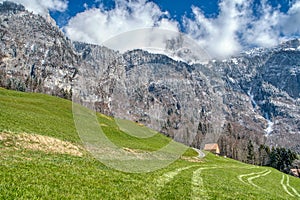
point(158, 41)
point(293, 44)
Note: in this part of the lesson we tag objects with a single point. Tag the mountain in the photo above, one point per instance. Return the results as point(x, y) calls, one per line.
point(254, 96)
point(35, 56)
point(249, 98)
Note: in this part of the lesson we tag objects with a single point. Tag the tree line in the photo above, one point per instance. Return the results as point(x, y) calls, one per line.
point(277, 157)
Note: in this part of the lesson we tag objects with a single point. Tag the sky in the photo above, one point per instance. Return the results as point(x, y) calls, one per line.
point(222, 27)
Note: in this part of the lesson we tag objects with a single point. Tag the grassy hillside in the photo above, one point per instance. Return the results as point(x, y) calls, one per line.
point(42, 157)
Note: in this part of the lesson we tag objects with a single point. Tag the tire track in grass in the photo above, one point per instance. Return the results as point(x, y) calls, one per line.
point(258, 176)
point(254, 175)
point(240, 177)
point(293, 189)
point(167, 177)
point(197, 186)
point(198, 190)
point(285, 187)
point(162, 180)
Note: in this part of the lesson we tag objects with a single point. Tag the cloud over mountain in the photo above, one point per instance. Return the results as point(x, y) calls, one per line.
point(238, 25)
point(96, 25)
point(234, 28)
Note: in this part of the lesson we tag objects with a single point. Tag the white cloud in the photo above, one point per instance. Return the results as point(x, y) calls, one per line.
point(264, 30)
point(290, 25)
point(232, 30)
point(236, 27)
point(220, 35)
point(97, 25)
point(42, 7)
point(273, 26)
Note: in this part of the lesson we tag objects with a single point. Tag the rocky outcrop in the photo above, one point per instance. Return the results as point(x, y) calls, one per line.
point(250, 97)
point(195, 104)
point(35, 56)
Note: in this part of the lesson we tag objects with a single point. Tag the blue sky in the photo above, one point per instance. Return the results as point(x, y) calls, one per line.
point(176, 8)
point(222, 27)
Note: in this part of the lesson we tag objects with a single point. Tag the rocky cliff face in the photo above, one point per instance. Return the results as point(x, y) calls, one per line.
point(253, 96)
point(270, 77)
point(35, 56)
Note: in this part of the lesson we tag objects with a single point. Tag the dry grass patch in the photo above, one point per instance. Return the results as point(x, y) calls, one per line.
point(106, 117)
point(192, 159)
point(39, 143)
point(103, 125)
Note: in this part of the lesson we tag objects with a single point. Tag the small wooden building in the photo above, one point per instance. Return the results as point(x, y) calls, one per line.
point(213, 148)
point(296, 172)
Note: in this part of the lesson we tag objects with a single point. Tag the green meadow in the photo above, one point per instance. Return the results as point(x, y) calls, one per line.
point(43, 157)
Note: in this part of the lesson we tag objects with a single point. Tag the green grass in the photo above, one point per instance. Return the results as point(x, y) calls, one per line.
point(37, 113)
point(52, 116)
point(35, 174)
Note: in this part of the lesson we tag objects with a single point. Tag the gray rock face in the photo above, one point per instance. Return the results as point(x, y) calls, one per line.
point(253, 96)
point(271, 79)
point(34, 55)
point(249, 97)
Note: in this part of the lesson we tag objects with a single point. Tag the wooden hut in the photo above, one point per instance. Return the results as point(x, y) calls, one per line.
point(213, 148)
point(296, 172)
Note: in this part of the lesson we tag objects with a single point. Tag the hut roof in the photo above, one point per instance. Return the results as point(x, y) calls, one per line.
point(212, 146)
